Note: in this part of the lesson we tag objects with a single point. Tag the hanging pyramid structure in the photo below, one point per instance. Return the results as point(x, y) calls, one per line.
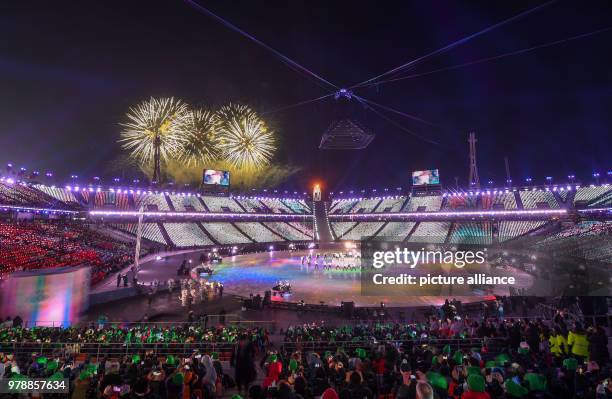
point(346, 134)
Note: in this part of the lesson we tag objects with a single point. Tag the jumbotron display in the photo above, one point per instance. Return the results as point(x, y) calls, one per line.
point(216, 177)
point(425, 177)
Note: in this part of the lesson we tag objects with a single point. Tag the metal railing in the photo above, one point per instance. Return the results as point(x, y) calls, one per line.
point(112, 350)
point(233, 319)
point(185, 349)
point(349, 346)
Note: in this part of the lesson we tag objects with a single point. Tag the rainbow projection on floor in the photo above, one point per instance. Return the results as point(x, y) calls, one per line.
point(54, 297)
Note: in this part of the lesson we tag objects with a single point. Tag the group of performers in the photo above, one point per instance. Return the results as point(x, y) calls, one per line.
point(197, 291)
point(282, 287)
point(333, 261)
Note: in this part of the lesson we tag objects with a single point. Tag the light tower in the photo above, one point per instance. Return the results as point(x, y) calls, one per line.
point(156, 161)
point(508, 177)
point(473, 178)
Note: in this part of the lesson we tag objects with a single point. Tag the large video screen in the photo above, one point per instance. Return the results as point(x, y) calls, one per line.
point(51, 297)
point(216, 177)
point(425, 177)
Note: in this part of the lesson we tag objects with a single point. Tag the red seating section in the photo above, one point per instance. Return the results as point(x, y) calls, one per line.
point(42, 245)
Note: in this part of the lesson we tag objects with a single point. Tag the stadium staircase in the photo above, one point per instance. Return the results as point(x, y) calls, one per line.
point(562, 201)
point(203, 204)
point(349, 230)
point(241, 206)
point(451, 230)
point(210, 236)
point(410, 233)
point(376, 206)
point(170, 204)
point(117, 234)
point(380, 229)
point(518, 200)
point(602, 200)
point(276, 233)
point(165, 234)
point(322, 226)
point(264, 206)
point(243, 233)
point(495, 232)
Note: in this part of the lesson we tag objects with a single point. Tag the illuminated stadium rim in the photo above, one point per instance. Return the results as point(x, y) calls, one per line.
point(595, 210)
point(31, 209)
point(242, 215)
point(427, 215)
point(245, 215)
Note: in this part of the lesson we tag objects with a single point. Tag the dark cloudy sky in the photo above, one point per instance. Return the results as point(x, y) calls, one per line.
point(70, 69)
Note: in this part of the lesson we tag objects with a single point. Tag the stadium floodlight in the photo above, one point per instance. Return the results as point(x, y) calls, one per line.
point(548, 178)
point(595, 174)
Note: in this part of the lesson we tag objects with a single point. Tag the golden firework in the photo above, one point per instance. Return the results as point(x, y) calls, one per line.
point(245, 140)
point(200, 140)
point(152, 126)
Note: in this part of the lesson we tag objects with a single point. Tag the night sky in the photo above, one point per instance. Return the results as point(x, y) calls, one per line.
point(69, 70)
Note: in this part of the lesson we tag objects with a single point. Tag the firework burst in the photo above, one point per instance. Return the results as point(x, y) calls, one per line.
point(245, 140)
point(201, 142)
point(154, 123)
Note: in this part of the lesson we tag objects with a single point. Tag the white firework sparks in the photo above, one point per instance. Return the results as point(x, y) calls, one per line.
point(201, 141)
point(245, 140)
point(154, 121)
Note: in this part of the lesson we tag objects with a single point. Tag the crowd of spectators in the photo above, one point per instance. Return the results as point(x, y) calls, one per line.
point(510, 358)
point(514, 359)
point(103, 332)
point(32, 245)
